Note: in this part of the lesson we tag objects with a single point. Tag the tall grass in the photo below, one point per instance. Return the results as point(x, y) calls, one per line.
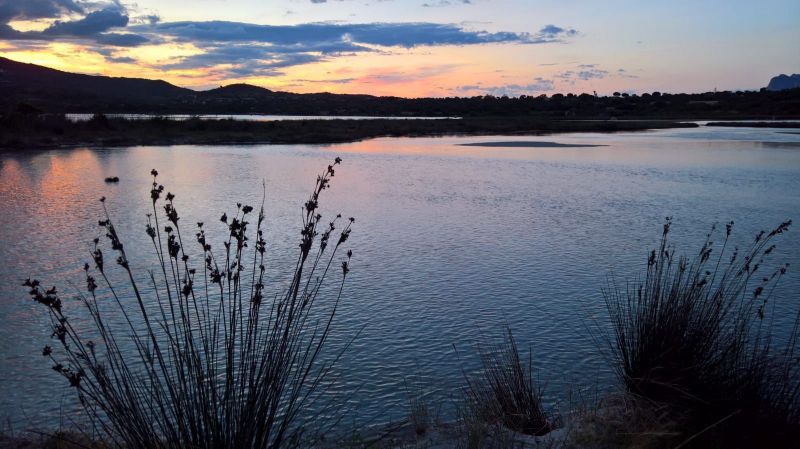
point(205, 357)
point(696, 333)
point(506, 393)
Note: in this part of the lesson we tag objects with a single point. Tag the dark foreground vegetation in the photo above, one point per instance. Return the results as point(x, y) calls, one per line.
point(221, 359)
point(28, 129)
point(61, 92)
point(206, 353)
point(695, 336)
point(506, 392)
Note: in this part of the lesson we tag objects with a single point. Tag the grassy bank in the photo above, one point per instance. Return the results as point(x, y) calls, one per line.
point(24, 131)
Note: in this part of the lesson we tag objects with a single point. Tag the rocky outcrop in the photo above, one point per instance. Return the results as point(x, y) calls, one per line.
point(783, 82)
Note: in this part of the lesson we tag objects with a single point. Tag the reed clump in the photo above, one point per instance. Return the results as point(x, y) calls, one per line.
point(696, 334)
point(505, 392)
point(205, 355)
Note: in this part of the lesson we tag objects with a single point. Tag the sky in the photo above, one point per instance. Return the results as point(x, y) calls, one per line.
point(415, 48)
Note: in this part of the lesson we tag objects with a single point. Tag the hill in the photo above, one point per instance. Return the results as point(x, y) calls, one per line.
point(56, 91)
point(783, 82)
point(36, 84)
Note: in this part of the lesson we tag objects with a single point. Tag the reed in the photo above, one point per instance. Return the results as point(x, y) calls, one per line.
point(695, 334)
point(205, 357)
point(506, 393)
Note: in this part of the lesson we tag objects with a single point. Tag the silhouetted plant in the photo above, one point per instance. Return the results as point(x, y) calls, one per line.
point(205, 357)
point(692, 334)
point(505, 392)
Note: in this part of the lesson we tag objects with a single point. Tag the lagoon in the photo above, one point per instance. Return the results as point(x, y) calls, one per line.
point(455, 239)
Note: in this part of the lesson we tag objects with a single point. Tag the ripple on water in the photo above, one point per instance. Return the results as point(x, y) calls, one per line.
point(451, 243)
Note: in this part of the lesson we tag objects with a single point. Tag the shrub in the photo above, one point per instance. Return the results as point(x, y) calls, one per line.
point(205, 358)
point(692, 334)
point(506, 393)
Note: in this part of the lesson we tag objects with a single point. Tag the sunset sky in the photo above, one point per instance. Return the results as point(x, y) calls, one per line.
point(414, 47)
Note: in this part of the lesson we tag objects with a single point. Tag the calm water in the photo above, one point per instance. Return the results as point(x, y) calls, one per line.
point(451, 243)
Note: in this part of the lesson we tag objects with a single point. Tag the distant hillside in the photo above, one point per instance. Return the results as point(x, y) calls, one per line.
point(783, 82)
point(239, 91)
point(33, 81)
point(55, 91)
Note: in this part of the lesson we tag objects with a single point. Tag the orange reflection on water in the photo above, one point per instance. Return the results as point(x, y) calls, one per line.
point(12, 177)
point(66, 179)
point(386, 146)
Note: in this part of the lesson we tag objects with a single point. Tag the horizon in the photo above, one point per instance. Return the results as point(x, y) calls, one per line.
point(412, 49)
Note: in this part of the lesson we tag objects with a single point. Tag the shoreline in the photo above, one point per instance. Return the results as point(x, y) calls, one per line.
point(20, 133)
point(758, 124)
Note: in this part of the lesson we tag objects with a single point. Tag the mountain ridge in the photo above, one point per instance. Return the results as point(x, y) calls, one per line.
point(55, 91)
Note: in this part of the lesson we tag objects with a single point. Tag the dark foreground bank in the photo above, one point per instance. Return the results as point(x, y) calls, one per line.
point(25, 131)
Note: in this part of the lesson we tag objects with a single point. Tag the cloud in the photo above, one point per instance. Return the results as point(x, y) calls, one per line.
point(93, 23)
point(122, 59)
point(6, 32)
point(622, 73)
point(555, 31)
point(406, 35)
point(120, 39)
point(110, 56)
point(584, 72)
point(255, 48)
point(93, 26)
point(592, 74)
point(325, 81)
point(248, 59)
point(152, 19)
point(588, 72)
point(441, 3)
point(245, 60)
point(538, 86)
point(36, 9)
point(244, 49)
